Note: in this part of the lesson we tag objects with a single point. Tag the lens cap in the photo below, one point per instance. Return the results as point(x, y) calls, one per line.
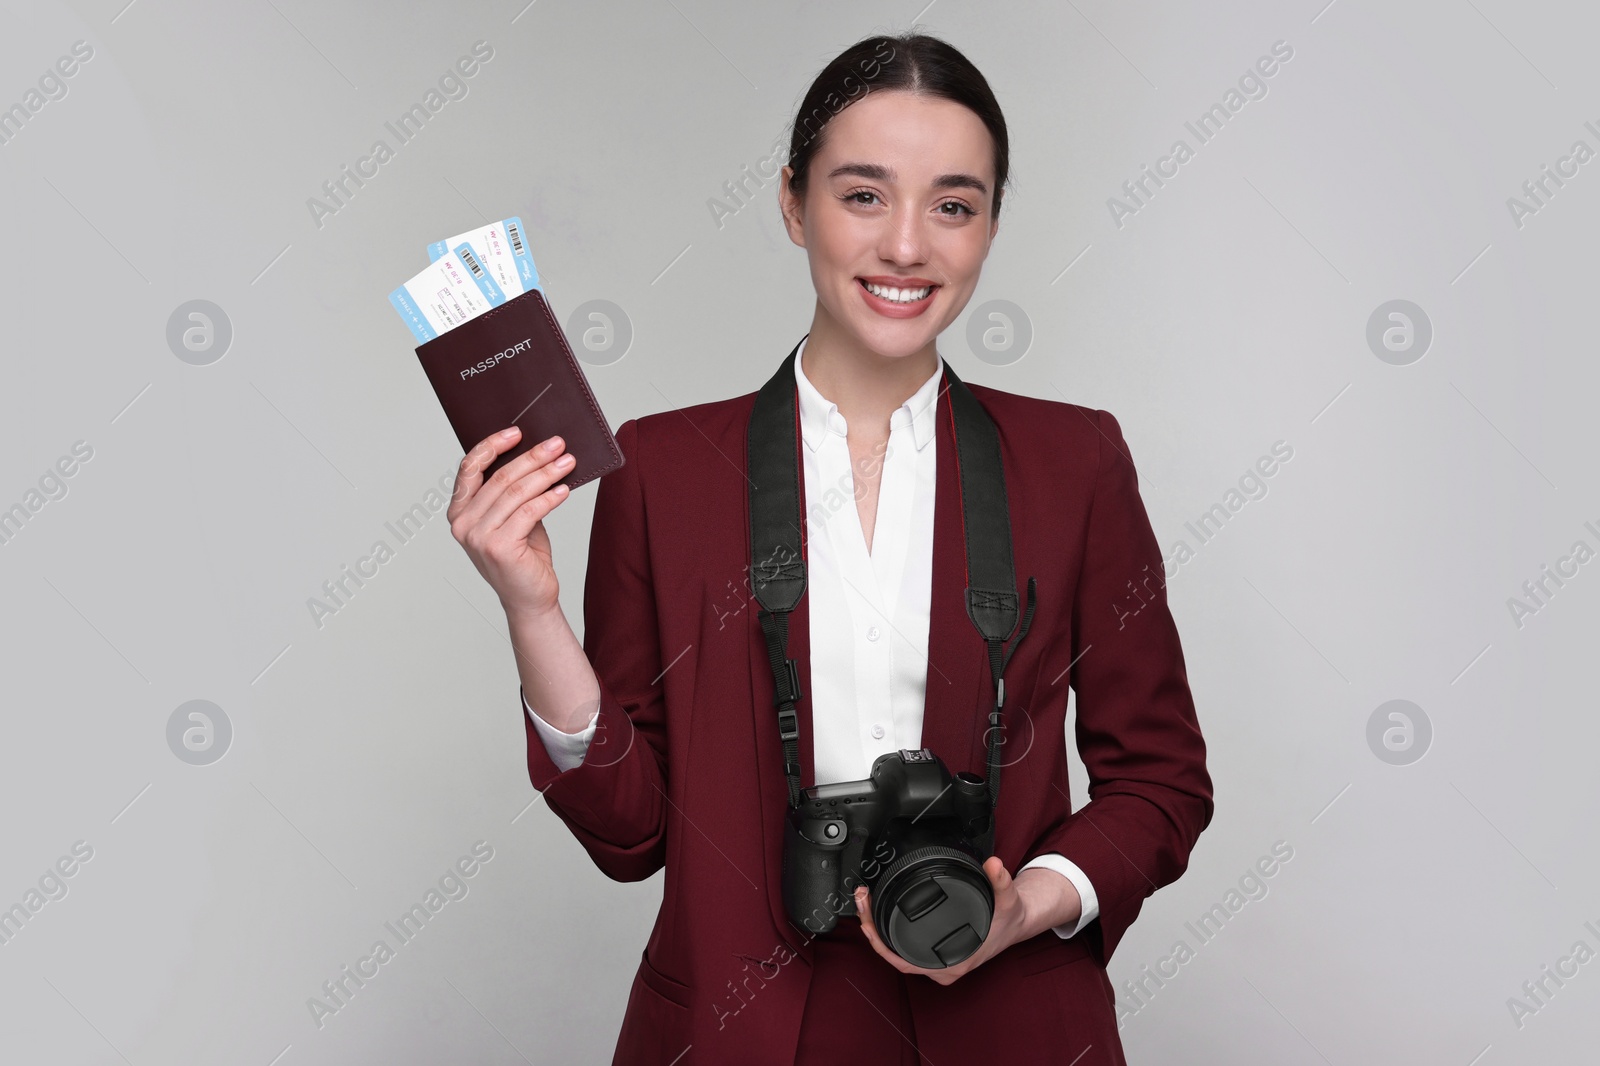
point(933, 906)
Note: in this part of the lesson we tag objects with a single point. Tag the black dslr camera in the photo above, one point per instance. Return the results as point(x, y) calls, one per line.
point(916, 837)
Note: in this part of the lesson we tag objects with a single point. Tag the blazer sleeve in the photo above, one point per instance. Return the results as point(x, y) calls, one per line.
point(1149, 790)
point(614, 801)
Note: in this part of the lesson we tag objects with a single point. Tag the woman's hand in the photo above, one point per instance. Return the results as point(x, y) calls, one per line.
point(500, 522)
point(1024, 907)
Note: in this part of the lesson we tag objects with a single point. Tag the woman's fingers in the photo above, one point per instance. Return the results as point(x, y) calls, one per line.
point(526, 483)
point(473, 503)
point(999, 876)
point(496, 519)
point(864, 912)
point(539, 495)
point(469, 474)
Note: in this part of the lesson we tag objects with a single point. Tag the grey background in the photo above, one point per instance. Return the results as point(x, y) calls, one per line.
point(1229, 313)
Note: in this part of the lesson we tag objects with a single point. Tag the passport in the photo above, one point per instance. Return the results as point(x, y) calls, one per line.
point(511, 364)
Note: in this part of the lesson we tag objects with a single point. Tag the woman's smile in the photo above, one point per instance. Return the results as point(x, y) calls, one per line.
point(897, 297)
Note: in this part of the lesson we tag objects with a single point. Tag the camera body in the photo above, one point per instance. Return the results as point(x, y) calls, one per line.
point(916, 836)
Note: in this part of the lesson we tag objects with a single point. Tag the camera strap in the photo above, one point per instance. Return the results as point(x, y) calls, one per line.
point(777, 546)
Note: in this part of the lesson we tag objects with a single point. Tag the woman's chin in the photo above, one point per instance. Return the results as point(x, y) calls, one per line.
point(893, 339)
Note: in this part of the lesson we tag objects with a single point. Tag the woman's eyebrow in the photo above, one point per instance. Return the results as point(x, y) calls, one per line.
point(879, 172)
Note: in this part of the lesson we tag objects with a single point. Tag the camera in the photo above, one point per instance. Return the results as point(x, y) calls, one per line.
point(916, 837)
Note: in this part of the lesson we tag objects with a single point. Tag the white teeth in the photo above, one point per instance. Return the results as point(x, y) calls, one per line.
point(903, 296)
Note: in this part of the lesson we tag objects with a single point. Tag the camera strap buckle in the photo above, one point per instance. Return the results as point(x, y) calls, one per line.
point(788, 724)
point(788, 685)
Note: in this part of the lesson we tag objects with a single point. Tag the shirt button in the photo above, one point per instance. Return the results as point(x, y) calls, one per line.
point(877, 732)
point(872, 632)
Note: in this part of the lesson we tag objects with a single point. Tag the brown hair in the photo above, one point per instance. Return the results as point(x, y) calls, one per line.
point(913, 62)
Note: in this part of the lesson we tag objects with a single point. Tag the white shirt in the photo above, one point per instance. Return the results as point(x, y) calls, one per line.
point(868, 610)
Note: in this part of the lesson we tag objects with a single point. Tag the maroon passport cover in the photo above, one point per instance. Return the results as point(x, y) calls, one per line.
point(512, 364)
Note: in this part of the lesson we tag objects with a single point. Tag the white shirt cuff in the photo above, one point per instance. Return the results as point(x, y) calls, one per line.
point(1080, 880)
point(566, 749)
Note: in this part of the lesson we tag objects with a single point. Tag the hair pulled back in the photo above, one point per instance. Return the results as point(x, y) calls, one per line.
point(912, 62)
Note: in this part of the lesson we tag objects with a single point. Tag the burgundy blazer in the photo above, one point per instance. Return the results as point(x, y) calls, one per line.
point(685, 770)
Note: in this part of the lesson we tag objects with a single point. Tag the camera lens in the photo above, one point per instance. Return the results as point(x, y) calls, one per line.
point(933, 906)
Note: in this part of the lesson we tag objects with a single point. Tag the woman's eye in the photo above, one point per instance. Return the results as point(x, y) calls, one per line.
point(868, 198)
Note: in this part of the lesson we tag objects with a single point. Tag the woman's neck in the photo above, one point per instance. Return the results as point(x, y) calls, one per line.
point(868, 387)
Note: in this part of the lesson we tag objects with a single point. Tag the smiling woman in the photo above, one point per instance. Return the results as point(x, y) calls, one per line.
point(909, 184)
point(677, 736)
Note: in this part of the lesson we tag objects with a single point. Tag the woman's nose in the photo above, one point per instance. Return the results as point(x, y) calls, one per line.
point(903, 240)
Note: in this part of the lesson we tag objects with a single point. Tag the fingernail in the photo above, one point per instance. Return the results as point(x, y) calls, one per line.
point(566, 460)
point(550, 445)
point(508, 431)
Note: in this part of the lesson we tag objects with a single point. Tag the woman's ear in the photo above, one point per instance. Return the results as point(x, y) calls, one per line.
point(792, 208)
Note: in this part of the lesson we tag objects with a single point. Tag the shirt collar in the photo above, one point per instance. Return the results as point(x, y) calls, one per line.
point(819, 416)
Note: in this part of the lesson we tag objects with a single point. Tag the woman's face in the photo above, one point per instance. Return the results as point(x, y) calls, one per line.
point(899, 196)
